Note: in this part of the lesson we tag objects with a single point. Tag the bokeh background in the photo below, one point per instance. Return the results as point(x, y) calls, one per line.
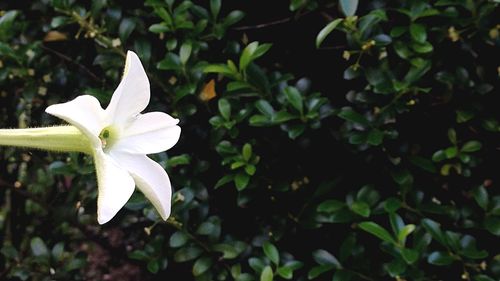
point(321, 140)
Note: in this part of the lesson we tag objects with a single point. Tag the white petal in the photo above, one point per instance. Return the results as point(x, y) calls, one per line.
point(149, 133)
point(115, 186)
point(150, 178)
point(132, 95)
point(84, 112)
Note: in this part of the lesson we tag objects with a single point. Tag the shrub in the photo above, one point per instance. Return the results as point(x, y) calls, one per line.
point(321, 140)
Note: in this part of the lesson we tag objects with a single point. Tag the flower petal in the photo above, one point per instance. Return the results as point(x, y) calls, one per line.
point(150, 178)
point(85, 113)
point(149, 133)
point(132, 95)
point(115, 186)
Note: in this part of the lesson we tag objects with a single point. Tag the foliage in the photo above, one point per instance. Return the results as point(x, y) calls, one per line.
point(276, 176)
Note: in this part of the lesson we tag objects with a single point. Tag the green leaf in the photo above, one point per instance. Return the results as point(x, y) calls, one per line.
point(492, 224)
point(58, 251)
point(241, 181)
point(440, 258)
point(352, 116)
point(219, 68)
point(375, 137)
point(418, 32)
point(271, 252)
point(247, 151)
point(361, 208)
point(247, 55)
point(202, 265)
point(285, 272)
point(126, 27)
point(178, 239)
point(409, 255)
point(215, 6)
point(153, 266)
point(233, 17)
point(326, 31)
point(403, 233)
point(330, 206)
point(377, 231)
point(159, 28)
point(392, 204)
point(185, 52)
point(435, 230)
point(225, 108)
point(294, 98)
point(481, 197)
point(267, 274)
point(224, 180)
point(471, 146)
point(318, 270)
point(323, 257)
point(187, 253)
point(349, 7)
point(265, 108)
point(38, 247)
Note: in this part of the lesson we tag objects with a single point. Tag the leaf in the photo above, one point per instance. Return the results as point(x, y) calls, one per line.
point(409, 255)
point(224, 180)
point(326, 31)
point(440, 258)
point(271, 252)
point(178, 239)
point(323, 257)
point(241, 181)
point(127, 25)
point(202, 265)
point(225, 108)
point(265, 108)
point(185, 52)
point(219, 68)
point(375, 137)
point(481, 197)
point(352, 116)
point(294, 98)
point(349, 7)
point(153, 266)
point(247, 151)
point(208, 91)
point(187, 254)
point(215, 6)
point(330, 206)
point(492, 224)
point(247, 55)
point(361, 208)
point(392, 204)
point(267, 274)
point(38, 247)
point(378, 231)
point(434, 229)
point(471, 146)
point(418, 32)
point(318, 270)
point(233, 17)
point(403, 233)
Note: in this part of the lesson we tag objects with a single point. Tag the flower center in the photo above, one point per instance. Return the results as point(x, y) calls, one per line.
point(108, 137)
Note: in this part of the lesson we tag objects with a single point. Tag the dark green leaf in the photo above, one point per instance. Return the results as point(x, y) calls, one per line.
point(202, 265)
point(377, 231)
point(271, 252)
point(440, 258)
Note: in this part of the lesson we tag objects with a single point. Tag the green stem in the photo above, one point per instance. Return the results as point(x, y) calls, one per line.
point(58, 138)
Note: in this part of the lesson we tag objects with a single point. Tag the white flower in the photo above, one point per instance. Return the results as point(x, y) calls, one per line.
point(120, 138)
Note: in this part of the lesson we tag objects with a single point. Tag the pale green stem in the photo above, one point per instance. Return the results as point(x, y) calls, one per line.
point(58, 138)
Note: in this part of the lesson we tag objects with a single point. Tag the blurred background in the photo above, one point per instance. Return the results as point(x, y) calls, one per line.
point(321, 140)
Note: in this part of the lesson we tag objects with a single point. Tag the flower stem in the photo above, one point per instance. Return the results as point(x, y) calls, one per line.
point(58, 138)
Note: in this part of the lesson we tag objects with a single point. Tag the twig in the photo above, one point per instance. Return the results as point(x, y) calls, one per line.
point(68, 59)
point(263, 25)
